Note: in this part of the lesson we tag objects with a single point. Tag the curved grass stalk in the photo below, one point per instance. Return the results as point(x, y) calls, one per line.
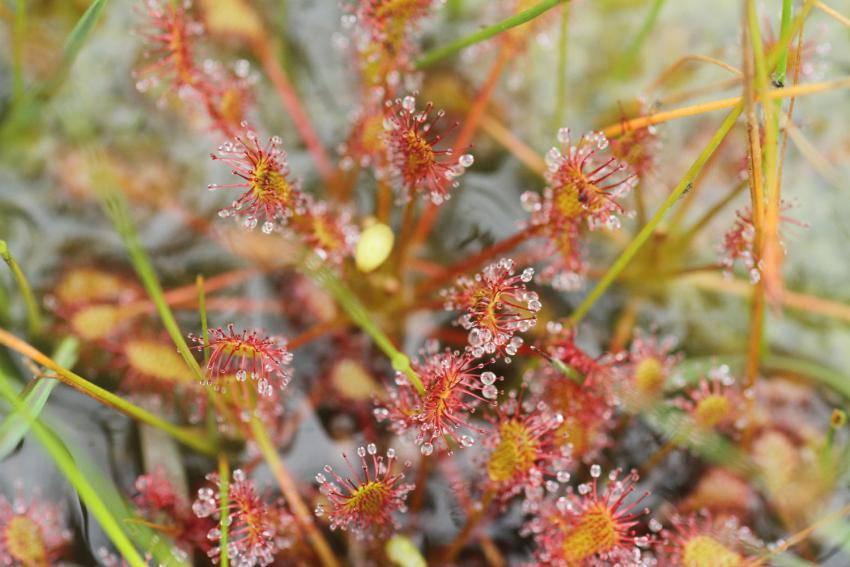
point(358, 315)
point(676, 65)
point(633, 50)
point(483, 34)
point(644, 234)
point(186, 436)
point(33, 311)
point(65, 462)
point(116, 209)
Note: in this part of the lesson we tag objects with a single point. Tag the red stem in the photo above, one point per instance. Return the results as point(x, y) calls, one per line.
point(289, 99)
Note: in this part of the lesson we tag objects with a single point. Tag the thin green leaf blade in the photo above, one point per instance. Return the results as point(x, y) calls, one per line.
point(16, 425)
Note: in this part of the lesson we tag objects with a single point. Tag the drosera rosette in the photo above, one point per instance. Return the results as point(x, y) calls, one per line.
point(414, 161)
point(524, 455)
point(586, 528)
point(496, 305)
point(582, 185)
point(700, 540)
point(158, 501)
point(248, 357)
point(390, 22)
point(738, 244)
point(32, 533)
point(649, 366)
point(440, 419)
point(271, 196)
point(383, 33)
point(257, 530)
point(367, 502)
point(170, 36)
point(717, 403)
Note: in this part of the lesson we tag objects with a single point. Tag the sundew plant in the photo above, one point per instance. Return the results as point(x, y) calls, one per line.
point(424, 282)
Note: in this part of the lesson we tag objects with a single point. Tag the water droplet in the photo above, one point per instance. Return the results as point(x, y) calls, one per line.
point(408, 103)
point(466, 160)
point(490, 392)
point(595, 471)
point(488, 378)
point(426, 449)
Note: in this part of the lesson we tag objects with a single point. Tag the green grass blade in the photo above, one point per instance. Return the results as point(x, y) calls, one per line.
point(359, 316)
point(73, 45)
point(16, 425)
point(28, 108)
point(632, 52)
point(523, 17)
point(638, 241)
point(116, 208)
point(89, 495)
point(33, 312)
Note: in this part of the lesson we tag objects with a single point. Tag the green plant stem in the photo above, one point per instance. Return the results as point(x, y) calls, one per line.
point(33, 312)
point(358, 315)
point(65, 462)
point(435, 55)
point(785, 36)
point(782, 63)
point(633, 50)
point(116, 208)
point(186, 436)
point(290, 493)
point(202, 309)
point(28, 109)
point(644, 234)
point(35, 394)
point(19, 30)
point(224, 514)
point(563, 46)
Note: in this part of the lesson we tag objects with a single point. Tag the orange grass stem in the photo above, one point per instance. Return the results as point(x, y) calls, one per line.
point(787, 92)
point(292, 496)
point(188, 437)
